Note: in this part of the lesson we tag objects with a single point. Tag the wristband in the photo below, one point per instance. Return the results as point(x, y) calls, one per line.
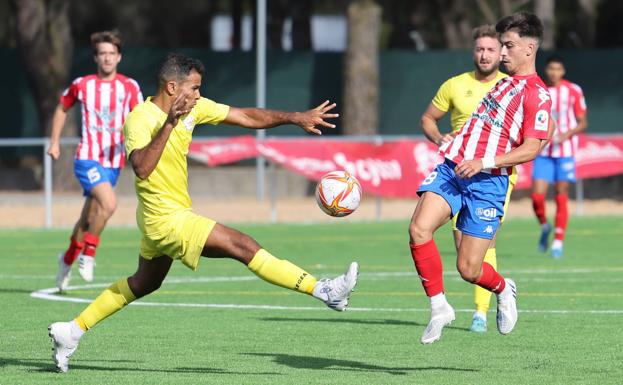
point(488, 162)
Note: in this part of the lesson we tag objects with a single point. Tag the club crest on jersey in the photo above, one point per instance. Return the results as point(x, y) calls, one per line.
point(543, 95)
point(541, 120)
point(189, 122)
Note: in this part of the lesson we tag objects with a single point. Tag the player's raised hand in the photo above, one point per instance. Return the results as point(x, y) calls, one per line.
point(182, 104)
point(468, 168)
point(308, 120)
point(54, 150)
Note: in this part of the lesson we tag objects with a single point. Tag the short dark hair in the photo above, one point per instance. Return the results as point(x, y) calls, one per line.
point(486, 30)
point(524, 23)
point(554, 59)
point(111, 37)
point(177, 66)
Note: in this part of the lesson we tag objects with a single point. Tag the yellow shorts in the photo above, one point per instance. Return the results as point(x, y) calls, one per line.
point(180, 236)
point(512, 181)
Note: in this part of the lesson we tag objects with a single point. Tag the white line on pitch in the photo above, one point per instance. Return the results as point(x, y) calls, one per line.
point(50, 294)
point(379, 274)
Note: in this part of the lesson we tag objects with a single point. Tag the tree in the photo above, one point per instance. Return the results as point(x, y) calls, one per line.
point(45, 50)
point(361, 68)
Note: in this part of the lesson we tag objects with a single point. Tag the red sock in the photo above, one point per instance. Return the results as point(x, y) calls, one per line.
point(90, 244)
point(562, 216)
point(73, 251)
point(428, 265)
point(490, 279)
point(538, 204)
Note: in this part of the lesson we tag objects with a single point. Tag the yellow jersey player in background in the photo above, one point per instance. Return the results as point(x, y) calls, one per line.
point(461, 94)
point(158, 133)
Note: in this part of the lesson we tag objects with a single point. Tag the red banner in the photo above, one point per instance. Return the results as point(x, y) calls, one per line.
point(391, 169)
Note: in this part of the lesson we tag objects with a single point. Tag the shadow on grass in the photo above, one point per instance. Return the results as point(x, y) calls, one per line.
point(39, 365)
point(9, 290)
point(357, 321)
point(317, 363)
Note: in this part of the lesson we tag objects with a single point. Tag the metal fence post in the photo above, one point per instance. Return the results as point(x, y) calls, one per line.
point(47, 183)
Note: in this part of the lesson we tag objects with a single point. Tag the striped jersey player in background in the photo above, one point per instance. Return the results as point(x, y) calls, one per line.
point(462, 94)
point(556, 163)
point(510, 126)
point(106, 99)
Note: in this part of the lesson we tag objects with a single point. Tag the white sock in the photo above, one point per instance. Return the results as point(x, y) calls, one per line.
point(438, 300)
point(480, 314)
point(557, 244)
point(76, 332)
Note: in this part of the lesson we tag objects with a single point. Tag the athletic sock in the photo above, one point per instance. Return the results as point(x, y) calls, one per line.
point(538, 204)
point(90, 244)
point(75, 330)
point(491, 279)
point(73, 251)
point(429, 267)
point(438, 300)
point(562, 216)
point(110, 301)
point(281, 272)
point(482, 297)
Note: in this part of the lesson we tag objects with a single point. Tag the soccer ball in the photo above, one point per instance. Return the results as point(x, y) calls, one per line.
point(338, 193)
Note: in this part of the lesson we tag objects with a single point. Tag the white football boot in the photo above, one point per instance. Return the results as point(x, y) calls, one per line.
point(86, 265)
point(64, 273)
point(65, 344)
point(507, 308)
point(440, 316)
point(335, 292)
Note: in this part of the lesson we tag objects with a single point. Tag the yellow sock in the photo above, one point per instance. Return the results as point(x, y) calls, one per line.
point(482, 297)
point(106, 304)
point(281, 272)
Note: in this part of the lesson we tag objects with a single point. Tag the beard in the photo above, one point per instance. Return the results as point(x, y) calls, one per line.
point(486, 71)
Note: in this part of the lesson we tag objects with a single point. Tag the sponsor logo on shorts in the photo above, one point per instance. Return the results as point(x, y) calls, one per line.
point(486, 214)
point(488, 230)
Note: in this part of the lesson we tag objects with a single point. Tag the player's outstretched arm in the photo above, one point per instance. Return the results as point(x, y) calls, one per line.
point(428, 122)
point(145, 160)
point(526, 152)
point(58, 122)
point(257, 118)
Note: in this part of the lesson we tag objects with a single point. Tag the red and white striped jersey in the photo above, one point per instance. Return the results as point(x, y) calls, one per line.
point(105, 105)
point(568, 105)
point(517, 107)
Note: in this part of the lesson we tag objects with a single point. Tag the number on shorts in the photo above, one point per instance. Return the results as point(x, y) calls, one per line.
point(94, 175)
point(430, 178)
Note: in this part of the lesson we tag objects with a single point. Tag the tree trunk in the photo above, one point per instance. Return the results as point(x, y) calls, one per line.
point(544, 9)
point(45, 49)
point(361, 69)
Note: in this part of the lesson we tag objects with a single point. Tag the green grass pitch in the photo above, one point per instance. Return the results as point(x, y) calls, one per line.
point(569, 330)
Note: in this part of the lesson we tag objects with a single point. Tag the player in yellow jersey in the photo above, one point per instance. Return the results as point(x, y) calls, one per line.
point(158, 133)
point(461, 94)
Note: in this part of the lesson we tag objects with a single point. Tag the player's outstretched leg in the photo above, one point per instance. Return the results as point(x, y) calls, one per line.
point(224, 241)
point(562, 217)
point(538, 204)
point(431, 212)
point(66, 335)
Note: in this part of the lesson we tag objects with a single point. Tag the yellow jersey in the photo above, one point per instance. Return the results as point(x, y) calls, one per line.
point(165, 191)
point(461, 94)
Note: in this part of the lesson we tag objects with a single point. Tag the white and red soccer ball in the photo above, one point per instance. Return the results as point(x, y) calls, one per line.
point(338, 193)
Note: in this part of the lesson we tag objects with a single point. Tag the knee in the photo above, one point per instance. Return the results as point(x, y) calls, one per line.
point(142, 287)
point(470, 272)
point(108, 207)
point(418, 233)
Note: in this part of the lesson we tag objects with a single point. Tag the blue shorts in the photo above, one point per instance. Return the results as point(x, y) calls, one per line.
point(554, 170)
point(479, 200)
point(90, 173)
